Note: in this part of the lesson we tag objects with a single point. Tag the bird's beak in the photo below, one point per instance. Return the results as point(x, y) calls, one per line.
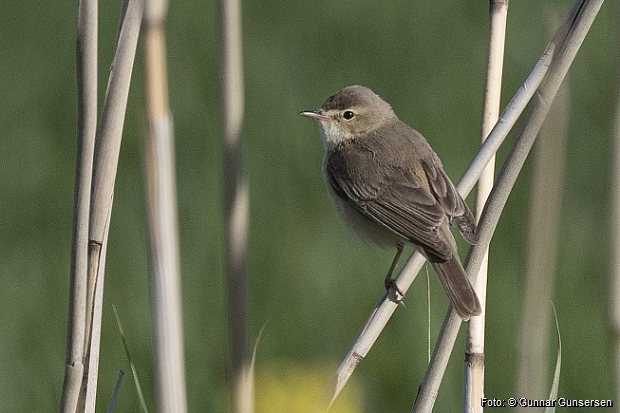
point(314, 114)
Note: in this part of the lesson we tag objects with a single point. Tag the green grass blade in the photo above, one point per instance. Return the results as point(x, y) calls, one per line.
point(558, 363)
point(133, 367)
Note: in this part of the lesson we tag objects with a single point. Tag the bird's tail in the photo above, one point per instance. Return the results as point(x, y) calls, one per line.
point(457, 286)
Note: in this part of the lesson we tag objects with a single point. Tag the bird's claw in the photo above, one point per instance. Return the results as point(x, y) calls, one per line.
point(393, 291)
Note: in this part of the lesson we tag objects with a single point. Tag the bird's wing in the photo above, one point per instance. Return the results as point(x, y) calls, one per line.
point(448, 197)
point(393, 197)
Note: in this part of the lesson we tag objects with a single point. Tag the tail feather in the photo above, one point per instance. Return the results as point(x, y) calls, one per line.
point(458, 288)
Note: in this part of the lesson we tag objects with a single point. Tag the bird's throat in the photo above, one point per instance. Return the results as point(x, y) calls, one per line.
point(333, 135)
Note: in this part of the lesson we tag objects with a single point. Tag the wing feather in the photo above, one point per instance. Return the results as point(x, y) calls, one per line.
point(392, 197)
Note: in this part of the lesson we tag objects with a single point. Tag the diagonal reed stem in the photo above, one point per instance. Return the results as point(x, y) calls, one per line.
point(580, 20)
point(385, 308)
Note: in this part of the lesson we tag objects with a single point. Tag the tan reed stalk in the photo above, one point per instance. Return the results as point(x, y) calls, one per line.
point(474, 352)
point(86, 73)
point(164, 262)
point(107, 149)
point(87, 293)
point(236, 204)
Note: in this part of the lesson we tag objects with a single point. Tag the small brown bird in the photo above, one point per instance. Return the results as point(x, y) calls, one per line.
point(389, 186)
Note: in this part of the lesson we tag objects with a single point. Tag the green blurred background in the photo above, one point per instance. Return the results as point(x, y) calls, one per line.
point(310, 279)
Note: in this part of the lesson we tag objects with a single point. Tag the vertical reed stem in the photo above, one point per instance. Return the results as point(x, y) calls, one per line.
point(236, 203)
point(164, 261)
point(474, 354)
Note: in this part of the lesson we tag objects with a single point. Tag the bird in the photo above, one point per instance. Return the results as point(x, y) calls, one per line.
point(389, 186)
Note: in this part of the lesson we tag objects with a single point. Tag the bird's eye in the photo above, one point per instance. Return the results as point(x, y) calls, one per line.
point(348, 115)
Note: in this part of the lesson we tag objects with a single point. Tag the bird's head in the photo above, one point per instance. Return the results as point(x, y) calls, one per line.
point(349, 114)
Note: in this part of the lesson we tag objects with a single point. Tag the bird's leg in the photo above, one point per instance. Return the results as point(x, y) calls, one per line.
point(389, 281)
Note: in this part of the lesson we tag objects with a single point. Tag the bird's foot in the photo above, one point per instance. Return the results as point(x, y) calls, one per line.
point(393, 291)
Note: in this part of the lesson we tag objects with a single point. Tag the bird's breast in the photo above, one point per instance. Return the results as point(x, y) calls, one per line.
point(365, 228)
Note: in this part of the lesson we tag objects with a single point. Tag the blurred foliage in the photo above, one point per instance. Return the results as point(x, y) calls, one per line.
point(288, 387)
point(313, 280)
